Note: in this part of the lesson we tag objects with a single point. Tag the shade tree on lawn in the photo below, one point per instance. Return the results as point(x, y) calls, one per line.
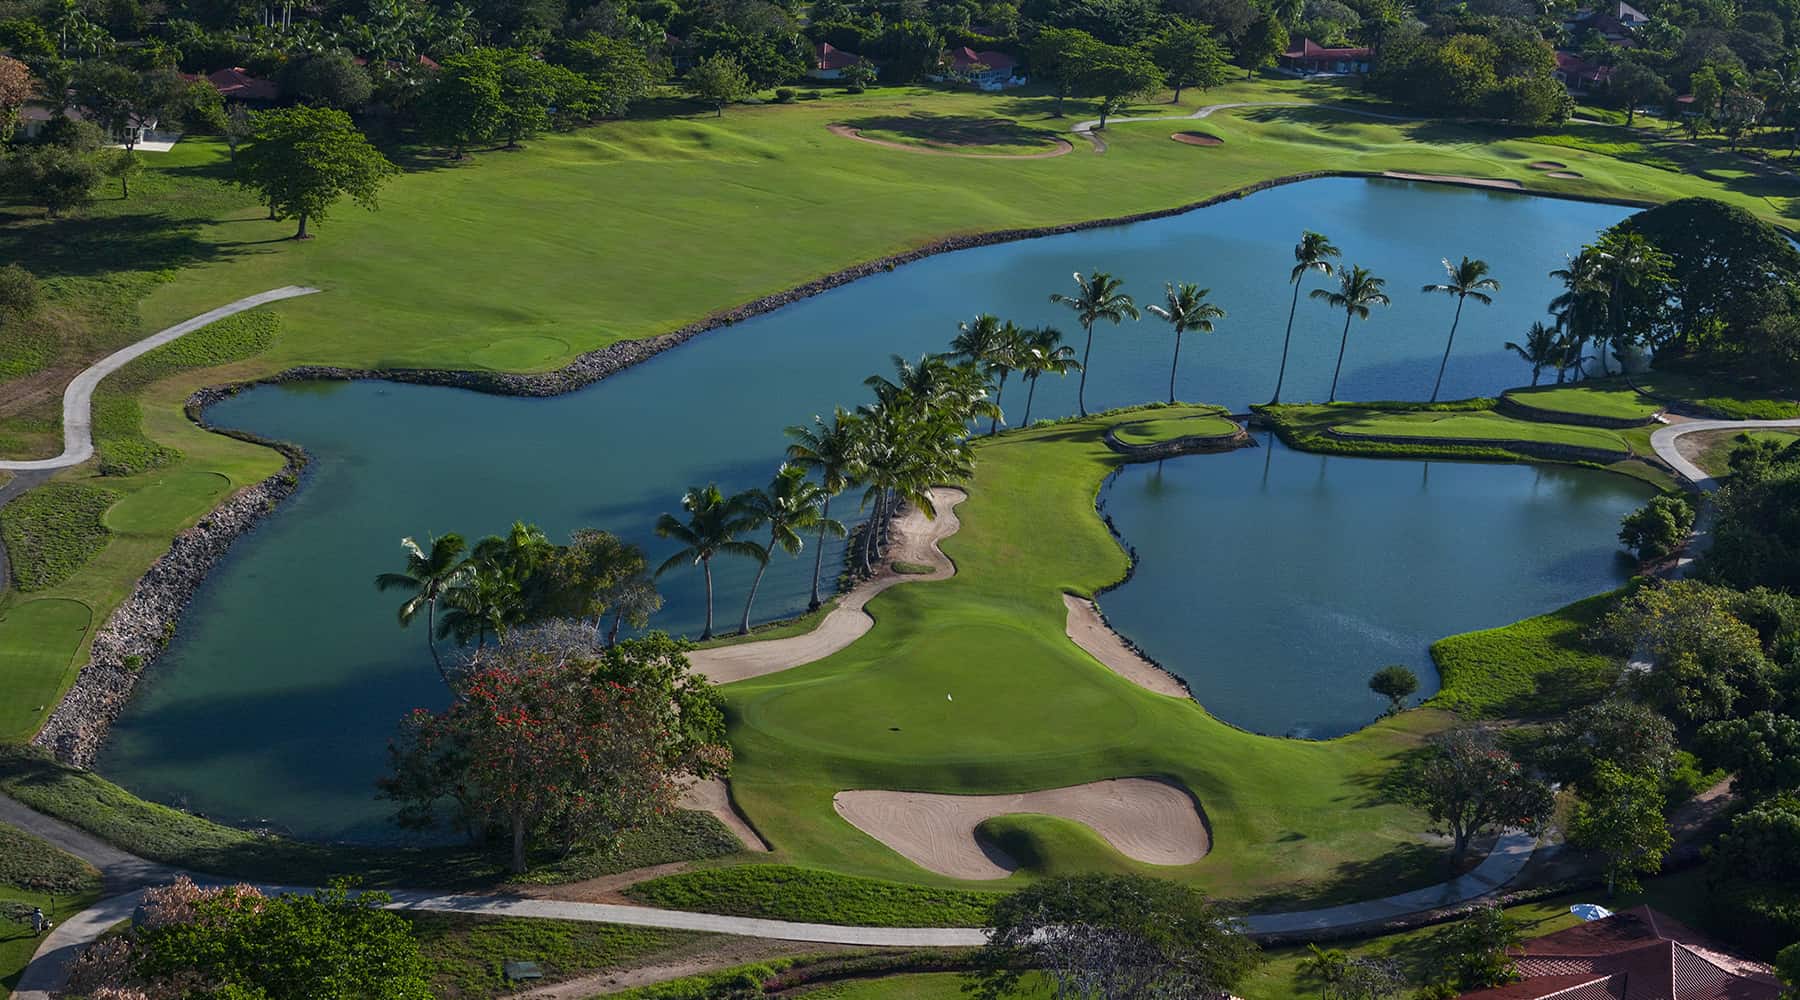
point(1057, 56)
point(718, 80)
point(1189, 56)
point(1395, 683)
point(1467, 785)
point(1117, 76)
point(1621, 818)
point(301, 161)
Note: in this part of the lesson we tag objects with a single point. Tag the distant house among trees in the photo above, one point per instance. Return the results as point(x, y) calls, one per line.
point(1616, 23)
point(236, 84)
point(1638, 953)
point(988, 70)
point(1579, 75)
point(36, 116)
point(1312, 59)
point(832, 61)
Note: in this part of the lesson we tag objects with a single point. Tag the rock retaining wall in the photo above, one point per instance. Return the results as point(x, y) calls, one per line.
point(1511, 407)
point(1190, 445)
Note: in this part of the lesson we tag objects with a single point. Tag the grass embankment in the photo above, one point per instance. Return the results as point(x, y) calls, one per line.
point(736, 198)
point(160, 833)
point(784, 892)
point(1719, 397)
point(1536, 667)
point(466, 955)
point(1146, 432)
point(1609, 401)
point(35, 873)
point(52, 530)
point(1040, 713)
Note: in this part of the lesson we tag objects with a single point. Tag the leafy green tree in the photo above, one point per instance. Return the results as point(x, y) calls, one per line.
point(1542, 348)
point(711, 529)
point(122, 101)
point(1762, 844)
point(1719, 258)
point(15, 89)
point(122, 165)
point(1358, 291)
point(56, 177)
point(718, 81)
point(1531, 100)
point(1631, 736)
point(790, 505)
point(1185, 308)
point(329, 79)
point(1263, 41)
point(1124, 936)
point(1117, 76)
point(1189, 56)
point(1636, 84)
point(832, 450)
point(1467, 784)
point(1787, 967)
point(1463, 281)
point(429, 575)
point(1314, 252)
point(618, 70)
point(1478, 948)
point(302, 160)
point(1396, 683)
point(1707, 662)
point(462, 106)
point(1057, 57)
point(1096, 298)
point(1659, 527)
point(1762, 752)
point(20, 296)
point(1044, 354)
point(1636, 276)
point(1756, 531)
point(1623, 821)
point(1327, 966)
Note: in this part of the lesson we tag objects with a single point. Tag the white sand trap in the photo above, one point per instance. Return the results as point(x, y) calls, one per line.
point(914, 539)
point(1089, 631)
point(1486, 182)
point(1145, 819)
point(714, 796)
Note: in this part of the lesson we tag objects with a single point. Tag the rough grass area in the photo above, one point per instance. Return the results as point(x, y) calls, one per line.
point(467, 954)
point(1725, 398)
point(785, 892)
point(1536, 667)
point(1610, 399)
point(905, 568)
point(160, 833)
point(52, 530)
point(1144, 432)
point(34, 669)
point(1482, 428)
point(687, 835)
point(34, 864)
point(747, 979)
point(1716, 449)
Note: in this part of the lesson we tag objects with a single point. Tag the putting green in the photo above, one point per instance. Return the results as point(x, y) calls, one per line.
point(1156, 431)
point(1611, 399)
point(969, 685)
point(519, 354)
point(38, 641)
point(158, 506)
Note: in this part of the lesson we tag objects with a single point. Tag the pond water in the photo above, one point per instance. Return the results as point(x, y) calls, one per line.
point(275, 700)
point(1275, 582)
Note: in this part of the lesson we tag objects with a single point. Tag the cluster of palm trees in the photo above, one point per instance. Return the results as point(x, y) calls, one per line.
point(1615, 292)
point(1098, 297)
point(506, 581)
point(1359, 291)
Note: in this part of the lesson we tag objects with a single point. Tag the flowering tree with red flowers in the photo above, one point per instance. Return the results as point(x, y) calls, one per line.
point(543, 739)
point(1467, 784)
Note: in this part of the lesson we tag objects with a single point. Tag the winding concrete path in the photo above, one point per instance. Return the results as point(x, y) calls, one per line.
point(78, 398)
point(1663, 441)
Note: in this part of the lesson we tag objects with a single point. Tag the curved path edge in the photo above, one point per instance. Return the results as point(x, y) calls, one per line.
point(78, 397)
point(1664, 438)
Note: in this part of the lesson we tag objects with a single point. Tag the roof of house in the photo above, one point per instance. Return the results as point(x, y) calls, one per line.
point(237, 82)
point(832, 57)
point(1573, 66)
point(1638, 954)
point(999, 62)
point(1310, 49)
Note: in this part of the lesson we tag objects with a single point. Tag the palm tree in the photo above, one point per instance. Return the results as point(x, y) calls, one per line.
point(1187, 309)
point(1328, 965)
point(1580, 309)
point(791, 504)
point(1467, 280)
point(429, 575)
point(1313, 253)
point(1543, 346)
point(1097, 298)
point(1358, 289)
point(711, 529)
point(1627, 262)
point(992, 346)
point(1045, 354)
point(831, 451)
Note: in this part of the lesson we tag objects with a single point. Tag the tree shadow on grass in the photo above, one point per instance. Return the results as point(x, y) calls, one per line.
point(952, 130)
point(92, 246)
point(1399, 869)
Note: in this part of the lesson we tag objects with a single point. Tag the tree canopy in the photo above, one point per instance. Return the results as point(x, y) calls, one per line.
point(303, 160)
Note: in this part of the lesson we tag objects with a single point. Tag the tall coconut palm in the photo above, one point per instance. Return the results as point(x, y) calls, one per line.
point(1096, 298)
point(1358, 290)
point(831, 451)
point(1628, 264)
point(791, 504)
point(995, 348)
point(1580, 310)
point(1314, 252)
point(1543, 347)
point(430, 574)
point(1044, 354)
point(1186, 309)
point(711, 529)
point(1464, 281)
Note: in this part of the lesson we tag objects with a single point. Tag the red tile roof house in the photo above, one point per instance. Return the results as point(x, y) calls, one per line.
point(236, 84)
point(1579, 75)
point(987, 70)
point(1311, 59)
point(1638, 954)
point(833, 61)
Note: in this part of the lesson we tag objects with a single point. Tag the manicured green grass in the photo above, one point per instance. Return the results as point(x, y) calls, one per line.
point(1292, 820)
point(52, 530)
point(1143, 432)
point(918, 986)
point(466, 954)
point(913, 123)
point(17, 943)
point(784, 892)
point(36, 667)
point(1482, 428)
point(1537, 667)
point(164, 499)
point(1611, 399)
point(1051, 845)
point(1715, 450)
point(1728, 399)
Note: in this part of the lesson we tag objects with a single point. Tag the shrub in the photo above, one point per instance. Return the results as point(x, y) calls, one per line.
point(810, 95)
point(53, 530)
point(1659, 527)
point(784, 95)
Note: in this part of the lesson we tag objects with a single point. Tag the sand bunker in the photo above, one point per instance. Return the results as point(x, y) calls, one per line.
point(714, 796)
point(1198, 139)
point(1145, 819)
point(1564, 174)
point(1486, 182)
point(1547, 165)
point(1091, 633)
point(1061, 146)
point(914, 540)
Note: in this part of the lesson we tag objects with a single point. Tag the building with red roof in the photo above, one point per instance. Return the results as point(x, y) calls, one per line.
point(989, 70)
point(1639, 954)
point(832, 61)
point(1312, 59)
point(236, 84)
point(1579, 75)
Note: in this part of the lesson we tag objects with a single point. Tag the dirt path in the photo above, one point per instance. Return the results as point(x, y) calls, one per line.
point(1063, 147)
point(1089, 631)
point(915, 540)
point(1145, 819)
